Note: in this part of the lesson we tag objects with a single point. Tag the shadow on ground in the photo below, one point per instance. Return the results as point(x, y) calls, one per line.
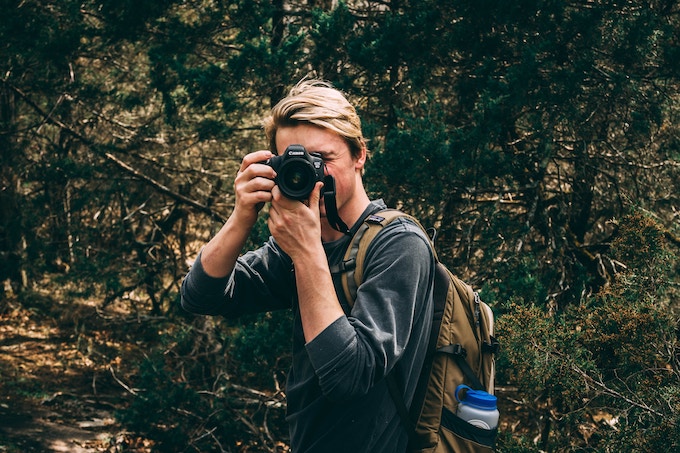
point(58, 392)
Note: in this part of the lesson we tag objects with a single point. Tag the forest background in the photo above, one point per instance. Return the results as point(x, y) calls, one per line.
point(541, 138)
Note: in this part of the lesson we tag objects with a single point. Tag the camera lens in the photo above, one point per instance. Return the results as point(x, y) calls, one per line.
point(296, 179)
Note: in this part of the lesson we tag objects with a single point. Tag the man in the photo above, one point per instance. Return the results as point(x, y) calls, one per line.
point(337, 396)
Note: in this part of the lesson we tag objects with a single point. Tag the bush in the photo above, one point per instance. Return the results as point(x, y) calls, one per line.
point(604, 374)
point(191, 395)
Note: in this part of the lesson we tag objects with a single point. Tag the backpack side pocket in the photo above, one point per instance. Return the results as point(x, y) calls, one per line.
point(458, 435)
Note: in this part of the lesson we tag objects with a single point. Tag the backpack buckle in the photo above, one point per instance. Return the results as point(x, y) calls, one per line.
point(375, 218)
point(492, 347)
point(344, 266)
point(454, 349)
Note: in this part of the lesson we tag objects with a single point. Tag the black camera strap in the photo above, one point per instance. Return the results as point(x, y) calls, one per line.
point(331, 205)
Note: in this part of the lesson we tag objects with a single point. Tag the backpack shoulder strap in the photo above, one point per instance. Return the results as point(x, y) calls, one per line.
point(355, 255)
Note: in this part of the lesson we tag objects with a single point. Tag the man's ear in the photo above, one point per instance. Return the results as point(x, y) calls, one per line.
point(360, 160)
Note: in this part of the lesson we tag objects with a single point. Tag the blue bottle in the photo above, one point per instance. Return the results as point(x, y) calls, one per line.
point(477, 407)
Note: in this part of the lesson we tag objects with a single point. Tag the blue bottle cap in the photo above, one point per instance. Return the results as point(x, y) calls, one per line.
point(476, 398)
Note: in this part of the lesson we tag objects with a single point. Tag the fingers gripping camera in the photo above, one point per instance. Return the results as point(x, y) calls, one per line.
point(297, 171)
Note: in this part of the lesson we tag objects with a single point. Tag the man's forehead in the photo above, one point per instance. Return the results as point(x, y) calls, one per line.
point(313, 138)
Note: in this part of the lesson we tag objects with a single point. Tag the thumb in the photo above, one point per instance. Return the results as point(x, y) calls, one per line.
point(315, 196)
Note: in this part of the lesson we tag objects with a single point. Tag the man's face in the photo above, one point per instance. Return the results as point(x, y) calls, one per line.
point(335, 153)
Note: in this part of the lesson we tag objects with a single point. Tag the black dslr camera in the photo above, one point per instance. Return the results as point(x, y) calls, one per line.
point(297, 171)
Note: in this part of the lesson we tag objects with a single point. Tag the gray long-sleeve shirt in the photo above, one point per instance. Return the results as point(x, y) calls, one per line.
point(336, 393)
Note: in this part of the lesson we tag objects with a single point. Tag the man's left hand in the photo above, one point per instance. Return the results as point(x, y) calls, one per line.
point(296, 225)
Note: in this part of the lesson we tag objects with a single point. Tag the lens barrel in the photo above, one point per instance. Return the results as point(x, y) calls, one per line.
point(296, 179)
point(297, 172)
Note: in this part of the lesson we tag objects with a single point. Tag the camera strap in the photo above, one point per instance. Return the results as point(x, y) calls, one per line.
point(331, 205)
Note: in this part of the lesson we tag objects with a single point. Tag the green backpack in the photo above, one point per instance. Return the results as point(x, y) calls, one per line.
point(460, 351)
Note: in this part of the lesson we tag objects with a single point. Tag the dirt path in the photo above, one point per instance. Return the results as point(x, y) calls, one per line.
point(57, 391)
point(45, 430)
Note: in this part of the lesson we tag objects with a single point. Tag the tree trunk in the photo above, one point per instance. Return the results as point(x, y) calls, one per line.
point(12, 244)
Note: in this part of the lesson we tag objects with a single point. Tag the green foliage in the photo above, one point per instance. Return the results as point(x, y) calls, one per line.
point(410, 160)
point(162, 396)
point(641, 245)
point(261, 348)
point(613, 357)
point(524, 131)
point(126, 19)
point(184, 397)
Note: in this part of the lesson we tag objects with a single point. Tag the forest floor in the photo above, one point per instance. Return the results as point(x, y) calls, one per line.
point(59, 384)
point(65, 365)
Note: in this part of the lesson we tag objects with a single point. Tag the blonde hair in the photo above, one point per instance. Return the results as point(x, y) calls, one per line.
point(313, 101)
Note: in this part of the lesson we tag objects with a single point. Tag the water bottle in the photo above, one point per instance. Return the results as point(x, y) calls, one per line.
point(477, 407)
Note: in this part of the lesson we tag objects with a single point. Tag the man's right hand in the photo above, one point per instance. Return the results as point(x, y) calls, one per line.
point(253, 186)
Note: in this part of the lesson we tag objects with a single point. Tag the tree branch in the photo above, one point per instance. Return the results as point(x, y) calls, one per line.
point(47, 118)
point(164, 189)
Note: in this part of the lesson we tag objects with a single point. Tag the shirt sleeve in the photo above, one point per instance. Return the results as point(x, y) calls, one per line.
point(262, 280)
point(387, 319)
